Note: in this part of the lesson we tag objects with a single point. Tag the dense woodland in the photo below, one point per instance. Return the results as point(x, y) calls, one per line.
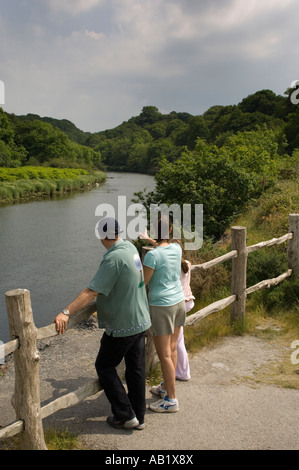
point(223, 158)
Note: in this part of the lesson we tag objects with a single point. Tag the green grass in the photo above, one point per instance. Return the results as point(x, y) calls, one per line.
point(61, 440)
point(36, 172)
point(30, 182)
point(56, 439)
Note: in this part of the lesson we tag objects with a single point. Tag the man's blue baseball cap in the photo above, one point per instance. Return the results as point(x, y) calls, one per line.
point(108, 228)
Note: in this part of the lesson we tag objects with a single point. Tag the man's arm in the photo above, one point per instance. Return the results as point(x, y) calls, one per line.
point(83, 299)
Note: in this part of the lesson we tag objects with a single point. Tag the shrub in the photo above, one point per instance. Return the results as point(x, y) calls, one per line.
point(265, 264)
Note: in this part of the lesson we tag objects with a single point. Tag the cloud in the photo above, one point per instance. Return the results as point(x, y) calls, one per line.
point(73, 7)
point(98, 63)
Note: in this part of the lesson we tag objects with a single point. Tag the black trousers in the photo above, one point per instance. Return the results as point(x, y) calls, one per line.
point(124, 406)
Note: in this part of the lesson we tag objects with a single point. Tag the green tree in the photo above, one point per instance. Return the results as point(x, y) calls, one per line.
point(48, 145)
point(197, 127)
point(148, 115)
point(291, 130)
point(223, 179)
point(10, 154)
point(265, 102)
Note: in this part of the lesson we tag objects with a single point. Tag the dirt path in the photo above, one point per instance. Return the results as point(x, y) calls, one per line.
point(221, 407)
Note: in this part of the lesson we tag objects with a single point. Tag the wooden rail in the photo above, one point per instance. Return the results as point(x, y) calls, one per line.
point(26, 400)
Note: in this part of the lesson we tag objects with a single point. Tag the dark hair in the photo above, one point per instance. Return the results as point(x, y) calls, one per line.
point(113, 234)
point(163, 226)
point(184, 264)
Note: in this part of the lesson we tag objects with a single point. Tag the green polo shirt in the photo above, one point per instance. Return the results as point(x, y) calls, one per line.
point(122, 304)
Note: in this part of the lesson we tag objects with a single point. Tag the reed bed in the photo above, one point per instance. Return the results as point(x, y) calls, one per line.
point(23, 183)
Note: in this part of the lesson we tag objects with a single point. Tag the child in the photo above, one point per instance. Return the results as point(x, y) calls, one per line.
point(183, 370)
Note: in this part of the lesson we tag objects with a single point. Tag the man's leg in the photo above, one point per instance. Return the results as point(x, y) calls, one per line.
point(135, 376)
point(110, 355)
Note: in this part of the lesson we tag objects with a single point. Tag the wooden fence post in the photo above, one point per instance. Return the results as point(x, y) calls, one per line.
point(26, 399)
point(239, 266)
point(293, 245)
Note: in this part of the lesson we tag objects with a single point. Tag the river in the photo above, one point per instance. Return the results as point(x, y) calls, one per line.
point(49, 247)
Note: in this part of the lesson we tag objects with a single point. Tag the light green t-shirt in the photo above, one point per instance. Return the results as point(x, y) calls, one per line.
point(165, 287)
point(122, 304)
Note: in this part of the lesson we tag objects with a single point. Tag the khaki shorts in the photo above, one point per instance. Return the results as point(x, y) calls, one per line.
point(166, 319)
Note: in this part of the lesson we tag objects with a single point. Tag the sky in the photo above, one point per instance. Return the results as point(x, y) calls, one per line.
point(97, 63)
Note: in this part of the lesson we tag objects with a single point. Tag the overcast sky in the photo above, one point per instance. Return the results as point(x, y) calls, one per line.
point(98, 62)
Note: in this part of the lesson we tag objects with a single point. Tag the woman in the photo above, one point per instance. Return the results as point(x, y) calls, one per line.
point(162, 269)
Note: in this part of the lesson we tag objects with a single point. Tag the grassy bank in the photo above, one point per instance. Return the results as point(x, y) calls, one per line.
point(271, 314)
point(24, 183)
point(56, 439)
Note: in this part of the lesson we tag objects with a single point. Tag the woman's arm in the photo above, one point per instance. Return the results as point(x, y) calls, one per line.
point(148, 272)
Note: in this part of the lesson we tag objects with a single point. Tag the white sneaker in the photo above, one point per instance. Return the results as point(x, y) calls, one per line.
point(165, 405)
point(158, 390)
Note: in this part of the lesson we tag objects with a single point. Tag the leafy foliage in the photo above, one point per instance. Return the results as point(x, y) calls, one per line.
point(139, 144)
point(222, 179)
point(35, 142)
point(222, 159)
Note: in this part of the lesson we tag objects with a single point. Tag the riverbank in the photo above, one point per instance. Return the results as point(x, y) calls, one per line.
point(46, 182)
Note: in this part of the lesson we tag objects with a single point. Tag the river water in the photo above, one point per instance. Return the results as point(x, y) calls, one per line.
point(49, 247)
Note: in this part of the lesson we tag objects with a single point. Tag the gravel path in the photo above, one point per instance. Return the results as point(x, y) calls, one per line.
point(222, 407)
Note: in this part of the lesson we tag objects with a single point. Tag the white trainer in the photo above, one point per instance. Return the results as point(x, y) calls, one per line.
point(158, 390)
point(165, 405)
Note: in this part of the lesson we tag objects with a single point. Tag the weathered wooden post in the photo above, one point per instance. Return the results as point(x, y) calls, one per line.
point(26, 399)
point(239, 266)
point(293, 244)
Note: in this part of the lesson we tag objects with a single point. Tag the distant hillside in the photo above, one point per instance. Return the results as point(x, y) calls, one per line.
point(63, 125)
point(139, 144)
point(31, 140)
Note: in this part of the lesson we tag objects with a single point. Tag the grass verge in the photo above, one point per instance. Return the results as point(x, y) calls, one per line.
point(62, 182)
point(56, 439)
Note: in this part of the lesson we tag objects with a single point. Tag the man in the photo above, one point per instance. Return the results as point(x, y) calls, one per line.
point(122, 308)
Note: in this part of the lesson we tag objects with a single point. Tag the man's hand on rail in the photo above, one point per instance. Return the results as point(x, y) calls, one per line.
point(61, 323)
point(84, 298)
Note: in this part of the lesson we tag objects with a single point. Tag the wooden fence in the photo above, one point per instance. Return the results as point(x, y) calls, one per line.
point(26, 399)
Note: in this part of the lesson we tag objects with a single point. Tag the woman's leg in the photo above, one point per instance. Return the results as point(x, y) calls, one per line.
point(166, 349)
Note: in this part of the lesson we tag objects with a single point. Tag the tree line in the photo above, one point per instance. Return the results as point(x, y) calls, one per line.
point(137, 145)
point(223, 158)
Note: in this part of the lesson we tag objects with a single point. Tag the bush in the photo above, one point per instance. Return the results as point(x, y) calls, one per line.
point(265, 264)
point(283, 297)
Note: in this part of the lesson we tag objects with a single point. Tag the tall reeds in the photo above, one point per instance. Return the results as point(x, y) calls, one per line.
point(27, 182)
